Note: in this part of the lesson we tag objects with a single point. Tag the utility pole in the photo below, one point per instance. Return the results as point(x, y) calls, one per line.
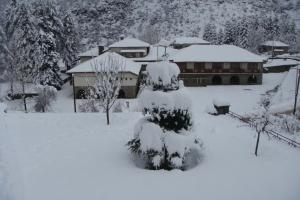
point(297, 88)
point(74, 95)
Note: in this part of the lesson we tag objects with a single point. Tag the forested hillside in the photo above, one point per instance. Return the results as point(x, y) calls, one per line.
point(105, 21)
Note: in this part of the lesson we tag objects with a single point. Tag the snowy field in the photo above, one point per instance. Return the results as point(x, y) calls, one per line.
point(66, 156)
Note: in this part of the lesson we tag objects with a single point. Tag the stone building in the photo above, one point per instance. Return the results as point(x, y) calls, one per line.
point(274, 48)
point(130, 48)
point(202, 65)
point(83, 75)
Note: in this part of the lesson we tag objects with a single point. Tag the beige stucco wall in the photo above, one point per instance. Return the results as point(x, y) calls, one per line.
point(88, 79)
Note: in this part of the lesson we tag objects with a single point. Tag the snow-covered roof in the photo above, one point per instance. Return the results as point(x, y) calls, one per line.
point(157, 52)
point(281, 62)
point(215, 53)
point(274, 43)
point(163, 43)
point(130, 42)
point(91, 52)
point(190, 40)
point(129, 65)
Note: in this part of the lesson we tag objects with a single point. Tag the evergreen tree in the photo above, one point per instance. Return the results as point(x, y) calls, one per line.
point(47, 61)
point(23, 44)
point(48, 20)
point(11, 18)
point(70, 44)
point(229, 35)
point(164, 138)
point(220, 36)
point(242, 30)
point(50, 42)
point(210, 33)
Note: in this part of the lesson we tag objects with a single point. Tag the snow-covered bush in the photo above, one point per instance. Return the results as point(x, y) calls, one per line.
point(118, 107)
point(164, 137)
point(90, 104)
point(46, 94)
point(288, 123)
point(3, 108)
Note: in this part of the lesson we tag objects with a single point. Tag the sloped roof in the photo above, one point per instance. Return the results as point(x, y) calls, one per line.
point(130, 42)
point(275, 44)
point(129, 65)
point(91, 52)
point(156, 53)
point(190, 40)
point(281, 62)
point(215, 53)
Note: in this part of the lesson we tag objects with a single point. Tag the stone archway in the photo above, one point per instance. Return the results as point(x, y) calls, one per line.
point(121, 94)
point(252, 80)
point(217, 80)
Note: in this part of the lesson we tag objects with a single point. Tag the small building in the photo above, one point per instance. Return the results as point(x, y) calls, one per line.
point(202, 65)
point(83, 76)
point(92, 53)
point(273, 48)
point(130, 48)
point(278, 65)
point(182, 42)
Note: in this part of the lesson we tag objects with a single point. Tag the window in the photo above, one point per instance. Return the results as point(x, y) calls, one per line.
point(244, 66)
point(190, 67)
point(126, 78)
point(208, 65)
point(199, 67)
point(226, 66)
point(130, 78)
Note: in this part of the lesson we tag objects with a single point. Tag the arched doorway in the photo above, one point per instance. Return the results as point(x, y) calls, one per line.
point(216, 80)
point(121, 94)
point(252, 80)
point(234, 80)
point(81, 94)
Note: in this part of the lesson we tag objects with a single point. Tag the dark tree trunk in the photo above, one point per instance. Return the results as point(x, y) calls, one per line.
point(24, 97)
point(107, 115)
point(257, 142)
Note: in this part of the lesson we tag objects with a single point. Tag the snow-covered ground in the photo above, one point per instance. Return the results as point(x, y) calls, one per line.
point(62, 156)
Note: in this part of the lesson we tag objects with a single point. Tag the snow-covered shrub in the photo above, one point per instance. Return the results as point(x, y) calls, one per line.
point(164, 137)
point(3, 108)
point(46, 94)
point(90, 104)
point(288, 123)
point(118, 107)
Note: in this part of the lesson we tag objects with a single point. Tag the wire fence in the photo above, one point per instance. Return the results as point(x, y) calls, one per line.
point(272, 133)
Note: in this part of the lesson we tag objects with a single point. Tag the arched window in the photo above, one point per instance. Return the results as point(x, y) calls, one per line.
point(217, 80)
point(252, 79)
point(121, 94)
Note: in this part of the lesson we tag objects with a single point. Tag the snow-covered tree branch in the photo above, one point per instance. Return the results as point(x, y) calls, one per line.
point(108, 82)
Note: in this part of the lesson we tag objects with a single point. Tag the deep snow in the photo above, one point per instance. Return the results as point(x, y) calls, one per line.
point(66, 156)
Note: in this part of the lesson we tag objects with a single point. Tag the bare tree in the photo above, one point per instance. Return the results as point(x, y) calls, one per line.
point(261, 121)
point(108, 82)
